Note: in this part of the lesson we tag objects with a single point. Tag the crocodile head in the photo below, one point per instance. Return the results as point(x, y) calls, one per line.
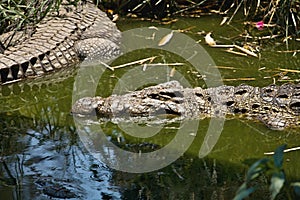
point(86, 106)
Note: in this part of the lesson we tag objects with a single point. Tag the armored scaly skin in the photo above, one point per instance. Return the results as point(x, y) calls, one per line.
point(61, 40)
point(277, 106)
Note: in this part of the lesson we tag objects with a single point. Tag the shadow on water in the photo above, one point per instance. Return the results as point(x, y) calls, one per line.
point(42, 156)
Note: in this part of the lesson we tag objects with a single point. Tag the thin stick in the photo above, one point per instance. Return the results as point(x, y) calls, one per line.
point(224, 46)
point(290, 70)
point(225, 67)
point(246, 51)
point(135, 62)
point(107, 66)
point(235, 52)
point(239, 79)
point(289, 51)
point(238, 47)
point(257, 6)
point(261, 38)
point(285, 151)
point(165, 64)
point(188, 8)
point(238, 7)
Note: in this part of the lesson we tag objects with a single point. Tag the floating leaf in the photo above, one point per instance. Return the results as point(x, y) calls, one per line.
point(256, 169)
point(209, 40)
point(165, 39)
point(277, 182)
point(243, 192)
point(242, 187)
point(172, 72)
point(224, 21)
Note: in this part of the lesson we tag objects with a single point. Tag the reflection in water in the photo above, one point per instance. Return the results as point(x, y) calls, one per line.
point(41, 156)
point(41, 162)
point(184, 179)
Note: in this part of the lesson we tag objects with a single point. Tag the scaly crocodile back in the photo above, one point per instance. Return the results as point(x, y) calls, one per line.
point(60, 40)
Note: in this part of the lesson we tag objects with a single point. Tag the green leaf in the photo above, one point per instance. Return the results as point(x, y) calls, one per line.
point(296, 186)
point(278, 156)
point(243, 192)
point(277, 181)
point(256, 169)
point(242, 187)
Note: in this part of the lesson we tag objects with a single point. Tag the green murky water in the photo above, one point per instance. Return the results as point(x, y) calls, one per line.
point(42, 154)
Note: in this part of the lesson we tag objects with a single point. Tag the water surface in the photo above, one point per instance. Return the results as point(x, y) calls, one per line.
point(42, 154)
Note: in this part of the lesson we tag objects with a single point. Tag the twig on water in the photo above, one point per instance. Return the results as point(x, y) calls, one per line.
point(142, 61)
point(107, 66)
point(211, 42)
point(246, 51)
point(235, 52)
point(290, 70)
point(239, 79)
point(285, 151)
point(165, 64)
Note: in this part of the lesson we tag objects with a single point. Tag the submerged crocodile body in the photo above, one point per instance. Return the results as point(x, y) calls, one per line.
point(61, 39)
point(277, 106)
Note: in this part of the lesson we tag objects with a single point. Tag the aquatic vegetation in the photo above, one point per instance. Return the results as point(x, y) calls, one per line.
point(273, 168)
point(281, 16)
point(16, 14)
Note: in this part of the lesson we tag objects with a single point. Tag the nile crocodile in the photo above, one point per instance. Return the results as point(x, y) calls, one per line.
point(61, 39)
point(277, 106)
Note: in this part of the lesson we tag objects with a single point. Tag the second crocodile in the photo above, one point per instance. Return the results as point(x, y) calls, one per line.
point(60, 40)
point(276, 106)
